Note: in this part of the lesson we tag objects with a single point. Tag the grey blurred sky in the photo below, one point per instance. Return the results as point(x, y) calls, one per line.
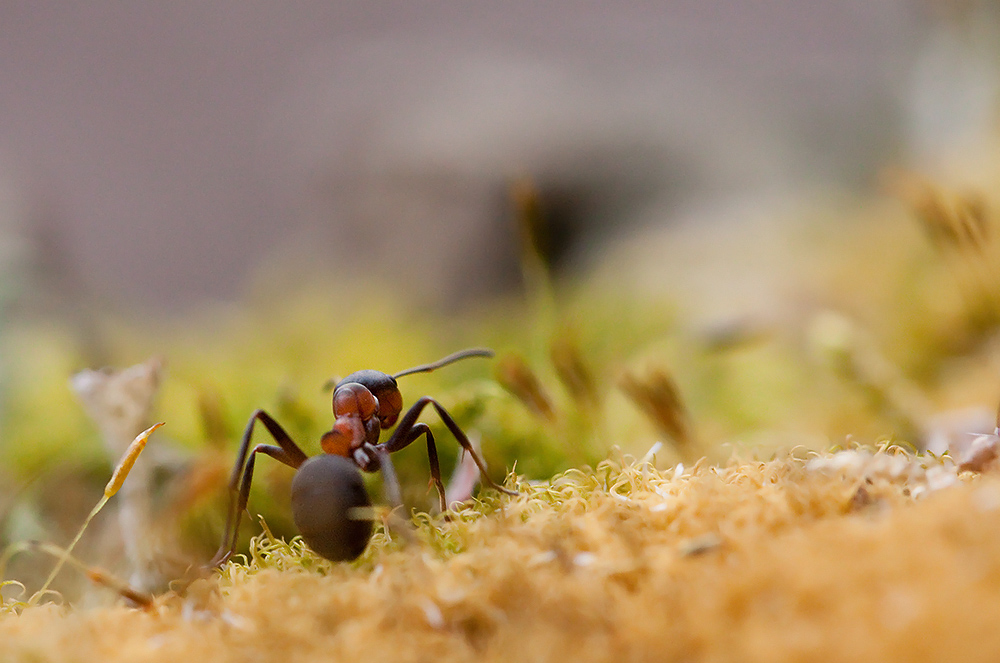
point(165, 148)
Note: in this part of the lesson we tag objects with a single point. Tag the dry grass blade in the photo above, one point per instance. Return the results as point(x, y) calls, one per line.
point(658, 397)
point(572, 370)
point(952, 220)
point(514, 375)
point(141, 599)
point(958, 225)
point(526, 201)
point(128, 461)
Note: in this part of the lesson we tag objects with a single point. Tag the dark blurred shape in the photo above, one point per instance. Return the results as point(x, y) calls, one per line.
point(561, 212)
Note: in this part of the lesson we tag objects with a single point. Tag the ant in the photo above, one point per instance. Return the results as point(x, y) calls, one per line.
point(330, 505)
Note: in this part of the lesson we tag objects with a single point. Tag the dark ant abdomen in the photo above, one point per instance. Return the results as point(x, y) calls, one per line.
point(331, 507)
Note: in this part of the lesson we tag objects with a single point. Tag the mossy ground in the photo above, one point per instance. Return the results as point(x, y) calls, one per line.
point(785, 560)
point(809, 556)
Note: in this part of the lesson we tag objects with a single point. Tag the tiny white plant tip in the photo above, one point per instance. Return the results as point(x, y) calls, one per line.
point(650, 456)
point(982, 452)
point(128, 460)
point(361, 513)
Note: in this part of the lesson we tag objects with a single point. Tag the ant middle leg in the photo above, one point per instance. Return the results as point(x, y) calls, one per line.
point(404, 435)
point(231, 535)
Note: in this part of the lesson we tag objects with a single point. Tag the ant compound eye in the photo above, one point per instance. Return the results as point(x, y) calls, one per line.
point(390, 405)
point(331, 507)
point(354, 399)
point(367, 404)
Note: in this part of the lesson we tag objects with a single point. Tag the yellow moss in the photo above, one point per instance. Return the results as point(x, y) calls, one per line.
point(830, 558)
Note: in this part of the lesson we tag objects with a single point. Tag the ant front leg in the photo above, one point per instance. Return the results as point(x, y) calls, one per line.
point(390, 482)
point(404, 435)
point(287, 452)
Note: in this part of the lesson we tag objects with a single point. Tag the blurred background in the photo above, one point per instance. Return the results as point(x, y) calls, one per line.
point(156, 157)
point(750, 224)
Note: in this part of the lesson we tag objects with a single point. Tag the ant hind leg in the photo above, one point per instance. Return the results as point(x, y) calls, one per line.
point(287, 452)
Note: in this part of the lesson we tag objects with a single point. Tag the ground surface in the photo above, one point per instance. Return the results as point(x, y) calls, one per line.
point(846, 557)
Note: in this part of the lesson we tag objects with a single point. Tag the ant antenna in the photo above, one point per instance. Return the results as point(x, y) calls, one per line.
point(463, 354)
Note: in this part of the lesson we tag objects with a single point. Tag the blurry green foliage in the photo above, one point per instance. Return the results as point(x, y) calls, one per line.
point(572, 342)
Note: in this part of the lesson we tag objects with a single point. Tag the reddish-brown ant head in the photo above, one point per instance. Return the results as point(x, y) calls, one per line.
point(384, 388)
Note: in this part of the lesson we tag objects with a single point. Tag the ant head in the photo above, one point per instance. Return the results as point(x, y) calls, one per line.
point(382, 387)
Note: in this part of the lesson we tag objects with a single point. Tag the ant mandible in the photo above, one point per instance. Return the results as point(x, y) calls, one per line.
point(330, 506)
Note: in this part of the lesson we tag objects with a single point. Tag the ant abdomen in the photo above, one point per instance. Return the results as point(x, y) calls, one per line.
point(331, 507)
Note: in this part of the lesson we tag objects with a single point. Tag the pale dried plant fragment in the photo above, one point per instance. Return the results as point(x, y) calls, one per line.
point(980, 454)
point(120, 402)
point(465, 476)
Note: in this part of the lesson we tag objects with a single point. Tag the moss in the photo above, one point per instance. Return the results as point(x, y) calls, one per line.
point(760, 560)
